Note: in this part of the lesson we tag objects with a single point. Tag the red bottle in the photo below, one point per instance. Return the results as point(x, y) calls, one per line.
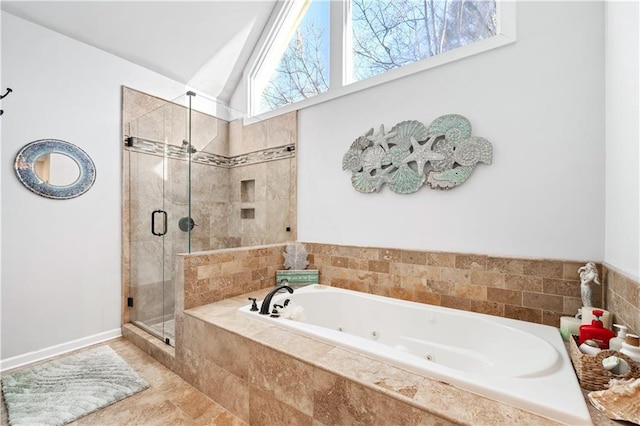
point(596, 331)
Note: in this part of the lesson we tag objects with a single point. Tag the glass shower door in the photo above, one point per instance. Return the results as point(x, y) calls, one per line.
point(151, 289)
point(159, 200)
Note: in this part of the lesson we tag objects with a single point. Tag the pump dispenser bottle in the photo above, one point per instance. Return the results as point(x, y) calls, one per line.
point(615, 344)
point(631, 347)
point(596, 331)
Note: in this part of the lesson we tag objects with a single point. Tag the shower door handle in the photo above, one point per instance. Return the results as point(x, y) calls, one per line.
point(164, 222)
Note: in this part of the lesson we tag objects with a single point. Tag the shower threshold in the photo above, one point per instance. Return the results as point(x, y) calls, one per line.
point(163, 330)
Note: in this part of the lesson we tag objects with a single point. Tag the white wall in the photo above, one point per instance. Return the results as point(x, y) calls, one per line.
point(539, 101)
point(61, 262)
point(622, 245)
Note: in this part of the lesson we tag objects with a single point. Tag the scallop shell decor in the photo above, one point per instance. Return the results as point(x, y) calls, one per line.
point(442, 155)
point(352, 160)
point(406, 130)
point(620, 402)
point(405, 180)
point(364, 182)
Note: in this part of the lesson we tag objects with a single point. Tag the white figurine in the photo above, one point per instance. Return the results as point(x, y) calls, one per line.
point(588, 274)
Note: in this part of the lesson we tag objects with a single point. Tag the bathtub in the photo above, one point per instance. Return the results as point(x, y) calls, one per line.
point(515, 362)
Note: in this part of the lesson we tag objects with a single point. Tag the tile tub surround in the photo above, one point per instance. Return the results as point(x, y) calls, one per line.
point(218, 352)
point(623, 298)
point(212, 276)
point(251, 368)
point(264, 374)
point(534, 290)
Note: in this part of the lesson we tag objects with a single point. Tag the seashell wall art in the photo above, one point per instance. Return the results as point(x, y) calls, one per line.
point(442, 155)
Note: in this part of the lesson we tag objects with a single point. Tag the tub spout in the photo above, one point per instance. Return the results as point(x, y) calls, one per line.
point(266, 303)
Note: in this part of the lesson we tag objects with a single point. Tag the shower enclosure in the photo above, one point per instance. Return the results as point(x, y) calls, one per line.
point(196, 178)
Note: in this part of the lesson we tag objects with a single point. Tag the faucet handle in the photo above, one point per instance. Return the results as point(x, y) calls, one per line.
point(254, 305)
point(275, 313)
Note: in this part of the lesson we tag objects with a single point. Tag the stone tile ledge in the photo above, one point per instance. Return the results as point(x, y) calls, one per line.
point(430, 396)
point(231, 250)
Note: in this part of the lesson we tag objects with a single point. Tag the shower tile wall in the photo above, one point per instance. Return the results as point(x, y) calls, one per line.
point(210, 208)
point(277, 131)
point(270, 202)
point(272, 195)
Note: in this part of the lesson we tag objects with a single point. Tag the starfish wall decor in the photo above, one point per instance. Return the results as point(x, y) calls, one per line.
point(443, 155)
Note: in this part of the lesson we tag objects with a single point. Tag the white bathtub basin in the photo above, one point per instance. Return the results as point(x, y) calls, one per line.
point(515, 362)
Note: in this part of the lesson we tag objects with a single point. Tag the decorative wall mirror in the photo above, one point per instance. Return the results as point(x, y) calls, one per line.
point(55, 169)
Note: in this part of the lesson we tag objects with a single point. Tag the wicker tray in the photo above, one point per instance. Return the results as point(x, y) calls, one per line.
point(589, 369)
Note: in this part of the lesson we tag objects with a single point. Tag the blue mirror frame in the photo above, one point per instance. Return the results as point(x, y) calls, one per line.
point(25, 169)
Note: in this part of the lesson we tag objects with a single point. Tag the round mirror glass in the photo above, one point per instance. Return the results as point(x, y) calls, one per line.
point(57, 169)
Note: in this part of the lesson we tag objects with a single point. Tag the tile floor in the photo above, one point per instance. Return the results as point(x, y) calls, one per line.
point(169, 400)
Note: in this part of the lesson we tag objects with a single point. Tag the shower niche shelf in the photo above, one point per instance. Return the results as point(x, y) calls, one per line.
point(248, 191)
point(248, 213)
point(248, 195)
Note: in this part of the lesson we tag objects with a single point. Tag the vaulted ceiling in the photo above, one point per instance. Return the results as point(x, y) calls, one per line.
point(203, 44)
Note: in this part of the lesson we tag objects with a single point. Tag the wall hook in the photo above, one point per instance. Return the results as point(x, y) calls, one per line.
point(9, 90)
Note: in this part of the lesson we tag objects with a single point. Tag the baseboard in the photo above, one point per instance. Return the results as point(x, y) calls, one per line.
point(39, 355)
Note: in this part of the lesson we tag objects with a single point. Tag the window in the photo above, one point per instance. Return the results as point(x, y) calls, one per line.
point(302, 67)
point(320, 49)
point(390, 34)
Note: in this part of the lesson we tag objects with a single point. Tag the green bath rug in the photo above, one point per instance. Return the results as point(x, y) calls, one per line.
point(63, 390)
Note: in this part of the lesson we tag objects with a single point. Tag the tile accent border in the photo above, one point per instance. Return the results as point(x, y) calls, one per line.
point(147, 146)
